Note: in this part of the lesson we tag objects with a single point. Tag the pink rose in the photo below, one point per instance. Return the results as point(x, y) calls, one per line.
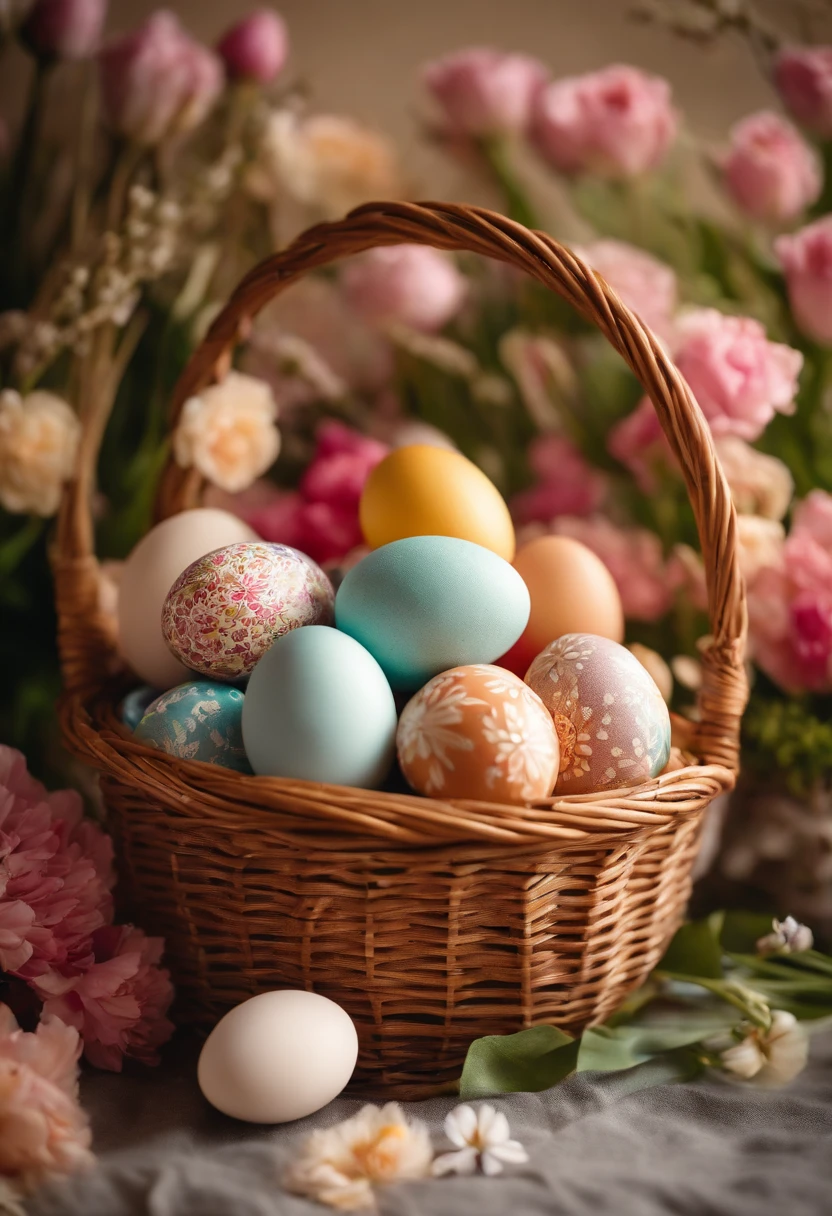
point(812, 519)
point(639, 443)
point(567, 486)
point(739, 378)
point(64, 29)
point(645, 284)
point(255, 48)
point(803, 76)
point(483, 92)
point(806, 258)
point(410, 285)
point(158, 81)
point(770, 170)
point(618, 122)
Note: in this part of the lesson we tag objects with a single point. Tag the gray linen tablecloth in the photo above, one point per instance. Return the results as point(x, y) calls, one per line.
point(596, 1144)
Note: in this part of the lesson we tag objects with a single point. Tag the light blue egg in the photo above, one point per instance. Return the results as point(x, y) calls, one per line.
point(427, 603)
point(135, 704)
point(318, 708)
point(199, 720)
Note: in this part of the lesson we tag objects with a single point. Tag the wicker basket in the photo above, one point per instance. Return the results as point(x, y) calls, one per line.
point(431, 922)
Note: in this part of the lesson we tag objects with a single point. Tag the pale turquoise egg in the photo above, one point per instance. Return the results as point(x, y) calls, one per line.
point(198, 721)
point(428, 603)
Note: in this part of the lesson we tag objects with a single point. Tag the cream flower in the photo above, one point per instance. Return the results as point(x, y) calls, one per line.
point(482, 1140)
point(39, 438)
point(761, 544)
point(760, 484)
point(326, 162)
point(787, 937)
point(340, 1165)
point(771, 1057)
point(228, 432)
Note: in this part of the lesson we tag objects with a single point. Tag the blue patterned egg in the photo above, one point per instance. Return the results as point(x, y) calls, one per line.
point(198, 721)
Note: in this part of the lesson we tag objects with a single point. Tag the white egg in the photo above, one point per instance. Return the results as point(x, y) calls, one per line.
point(279, 1056)
point(148, 574)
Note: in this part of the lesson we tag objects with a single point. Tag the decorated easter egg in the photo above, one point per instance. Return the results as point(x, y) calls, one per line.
point(424, 490)
point(146, 577)
point(612, 723)
point(197, 721)
point(570, 590)
point(427, 603)
point(135, 704)
point(223, 612)
point(478, 732)
point(278, 1056)
point(319, 708)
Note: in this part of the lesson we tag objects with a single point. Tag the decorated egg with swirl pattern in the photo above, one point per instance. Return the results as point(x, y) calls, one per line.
point(611, 720)
point(227, 608)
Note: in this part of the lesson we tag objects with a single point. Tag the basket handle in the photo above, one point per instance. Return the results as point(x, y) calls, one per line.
point(723, 694)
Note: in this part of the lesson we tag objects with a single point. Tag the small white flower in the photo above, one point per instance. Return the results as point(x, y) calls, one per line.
point(228, 432)
point(340, 1165)
point(771, 1057)
point(787, 937)
point(482, 1139)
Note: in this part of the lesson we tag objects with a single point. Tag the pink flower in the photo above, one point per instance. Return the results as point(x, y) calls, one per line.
point(42, 1128)
point(64, 29)
point(255, 48)
point(803, 76)
point(639, 443)
point(645, 284)
point(812, 519)
point(618, 122)
point(739, 378)
point(567, 486)
point(806, 258)
point(119, 1004)
point(483, 91)
point(158, 81)
point(633, 556)
point(770, 170)
point(410, 285)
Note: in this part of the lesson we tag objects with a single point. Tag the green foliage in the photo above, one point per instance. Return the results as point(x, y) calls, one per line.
point(791, 738)
point(528, 1061)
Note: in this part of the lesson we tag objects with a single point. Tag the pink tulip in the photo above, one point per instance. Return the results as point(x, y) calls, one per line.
point(739, 378)
point(158, 81)
point(770, 170)
point(256, 48)
point(806, 258)
point(64, 29)
point(803, 76)
point(406, 284)
point(618, 122)
point(485, 92)
point(645, 284)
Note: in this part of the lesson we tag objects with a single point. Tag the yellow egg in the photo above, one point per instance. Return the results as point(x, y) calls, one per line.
point(421, 490)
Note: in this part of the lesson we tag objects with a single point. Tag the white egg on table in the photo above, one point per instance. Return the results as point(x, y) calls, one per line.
point(148, 574)
point(277, 1057)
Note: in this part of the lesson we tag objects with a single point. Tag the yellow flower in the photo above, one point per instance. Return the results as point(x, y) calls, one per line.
point(340, 1165)
point(228, 432)
point(39, 438)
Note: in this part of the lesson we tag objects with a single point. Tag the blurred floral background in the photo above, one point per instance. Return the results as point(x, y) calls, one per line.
point(149, 158)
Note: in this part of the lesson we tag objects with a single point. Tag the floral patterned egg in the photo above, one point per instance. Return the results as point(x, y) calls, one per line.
point(478, 732)
point(612, 722)
point(225, 610)
point(197, 721)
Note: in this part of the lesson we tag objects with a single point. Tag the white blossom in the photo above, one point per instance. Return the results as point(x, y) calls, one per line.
point(39, 437)
point(482, 1140)
point(787, 937)
point(228, 432)
point(769, 1057)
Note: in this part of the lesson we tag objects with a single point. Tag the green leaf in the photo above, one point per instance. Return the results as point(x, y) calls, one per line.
point(742, 930)
point(607, 1050)
point(696, 950)
point(528, 1061)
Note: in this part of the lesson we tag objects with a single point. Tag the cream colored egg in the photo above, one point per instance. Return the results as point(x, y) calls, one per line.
point(149, 572)
point(279, 1056)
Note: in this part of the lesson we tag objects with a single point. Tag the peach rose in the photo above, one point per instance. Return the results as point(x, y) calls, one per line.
point(39, 437)
point(228, 432)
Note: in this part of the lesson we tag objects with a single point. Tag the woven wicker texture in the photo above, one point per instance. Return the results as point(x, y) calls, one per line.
point(430, 922)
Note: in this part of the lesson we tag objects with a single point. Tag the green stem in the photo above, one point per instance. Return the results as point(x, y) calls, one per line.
point(495, 152)
point(19, 187)
point(745, 999)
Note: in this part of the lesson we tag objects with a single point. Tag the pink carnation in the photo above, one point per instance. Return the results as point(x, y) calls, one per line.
point(409, 285)
point(803, 75)
point(618, 122)
point(645, 284)
point(770, 170)
point(567, 486)
point(806, 258)
point(43, 1130)
point(739, 378)
point(639, 443)
point(633, 556)
point(483, 91)
point(120, 1002)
